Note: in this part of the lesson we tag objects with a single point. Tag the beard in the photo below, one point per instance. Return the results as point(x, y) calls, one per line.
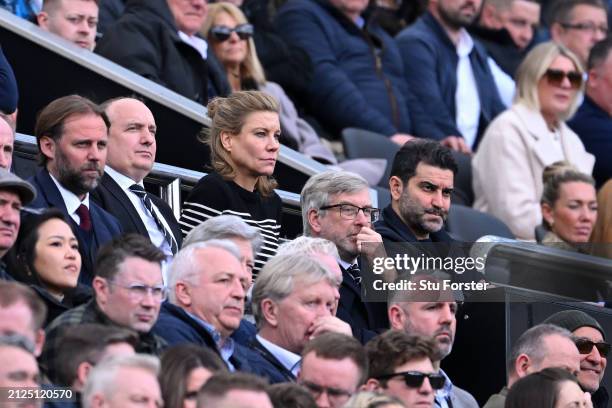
point(455, 19)
point(73, 179)
point(414, 214)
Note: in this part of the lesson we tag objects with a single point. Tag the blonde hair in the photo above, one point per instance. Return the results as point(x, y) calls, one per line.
point(602, 231)
point(533, 68)
point(228, 115)
point(250, 68)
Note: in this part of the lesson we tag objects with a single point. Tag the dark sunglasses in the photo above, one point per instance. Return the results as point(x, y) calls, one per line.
point(555, 77)
point(586, 346)
point(414, 379)
point(223, 33)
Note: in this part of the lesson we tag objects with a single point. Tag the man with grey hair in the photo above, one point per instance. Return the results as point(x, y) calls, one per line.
point(540, 347)
point(207, 292)
point(293, 302)
point(248, 239)
point(118, 382)
point(322, 250)
point(336, 205)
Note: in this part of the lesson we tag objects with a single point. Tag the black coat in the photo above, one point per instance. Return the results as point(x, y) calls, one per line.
point(113, 199)
point(145, 40)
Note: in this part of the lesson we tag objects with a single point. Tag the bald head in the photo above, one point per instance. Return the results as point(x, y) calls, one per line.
point(7, 139)
point(131, 140)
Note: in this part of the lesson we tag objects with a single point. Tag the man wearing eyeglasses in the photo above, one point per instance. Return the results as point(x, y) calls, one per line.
point(590, 340)
point(401, 365)
point(128, 292)
point(333, 367)
point(578, 25)
point(540, 347)
point(336, 206)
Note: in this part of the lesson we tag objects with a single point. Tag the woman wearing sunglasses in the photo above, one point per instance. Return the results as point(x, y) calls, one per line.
point(522, 141)
point(46, 256)
point(230, 37)
point(243, 141)
point(569, 206)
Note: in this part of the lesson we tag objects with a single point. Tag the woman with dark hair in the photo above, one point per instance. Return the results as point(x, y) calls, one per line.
point(549, 388)
point(243, 142)
point(184, 370)
point(46, 256)
point(569, 206)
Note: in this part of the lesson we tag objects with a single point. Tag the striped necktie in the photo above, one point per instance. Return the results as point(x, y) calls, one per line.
point(140, 192)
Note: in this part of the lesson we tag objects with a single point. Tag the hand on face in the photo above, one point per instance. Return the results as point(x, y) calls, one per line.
point(326, 324)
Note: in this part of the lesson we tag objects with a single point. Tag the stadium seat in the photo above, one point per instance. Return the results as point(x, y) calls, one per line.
point(466, 224)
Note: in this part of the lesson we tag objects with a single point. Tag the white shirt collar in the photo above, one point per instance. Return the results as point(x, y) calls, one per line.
point(465, 43)
point(196, 42)
point(288, 359)
point(124, 181)
point(71, 200)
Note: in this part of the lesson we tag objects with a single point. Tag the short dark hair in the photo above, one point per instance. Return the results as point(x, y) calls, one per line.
point(539, 389)
point(394, 348)
point(290, 395)
point(85, 343)
point(220, 384)
point(21, 259)
point(112, 254)
point(14, 292)
point(50, 121)
point(176, 364)
point(421, 151)
point(336, 346)
point(562, 11)
point(599, 53)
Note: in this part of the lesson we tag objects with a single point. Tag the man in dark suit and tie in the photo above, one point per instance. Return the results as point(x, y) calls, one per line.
point(336, 205)
point(72, 134)
point(131, 155)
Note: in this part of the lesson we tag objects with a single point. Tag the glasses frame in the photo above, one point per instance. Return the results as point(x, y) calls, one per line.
point(555, 77)
point(223, 33)
point(603, 348)
point(415, 379)
point(592, 28)
point(133, 287)
point(374, 212)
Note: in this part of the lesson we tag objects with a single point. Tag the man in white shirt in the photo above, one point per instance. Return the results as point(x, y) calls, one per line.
point(131, 155)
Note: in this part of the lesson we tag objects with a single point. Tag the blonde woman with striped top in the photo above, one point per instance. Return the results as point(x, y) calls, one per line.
point(244, 146)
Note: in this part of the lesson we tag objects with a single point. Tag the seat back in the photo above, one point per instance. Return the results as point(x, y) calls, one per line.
point(466, 224)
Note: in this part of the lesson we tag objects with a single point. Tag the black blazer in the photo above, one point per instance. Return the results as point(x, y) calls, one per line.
point(367, 319)
point(113, 199)
point(104, 225)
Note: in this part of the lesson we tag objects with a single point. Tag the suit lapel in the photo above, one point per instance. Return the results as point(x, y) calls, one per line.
point(123, 200)
point(269, 357)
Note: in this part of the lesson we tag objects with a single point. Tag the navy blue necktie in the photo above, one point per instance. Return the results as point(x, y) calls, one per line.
point(140, 192)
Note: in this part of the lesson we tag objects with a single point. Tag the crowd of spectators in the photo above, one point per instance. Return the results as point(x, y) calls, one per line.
point(105, 292)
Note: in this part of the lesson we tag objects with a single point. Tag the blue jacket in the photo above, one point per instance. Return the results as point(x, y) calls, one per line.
point(430, 60)
point(104, 225)
point(176, 327)
point(358, 78)
point(594, 127)
point(8, 86)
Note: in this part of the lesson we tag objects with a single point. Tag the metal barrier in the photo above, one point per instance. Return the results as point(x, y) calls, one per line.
point(170, 181)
